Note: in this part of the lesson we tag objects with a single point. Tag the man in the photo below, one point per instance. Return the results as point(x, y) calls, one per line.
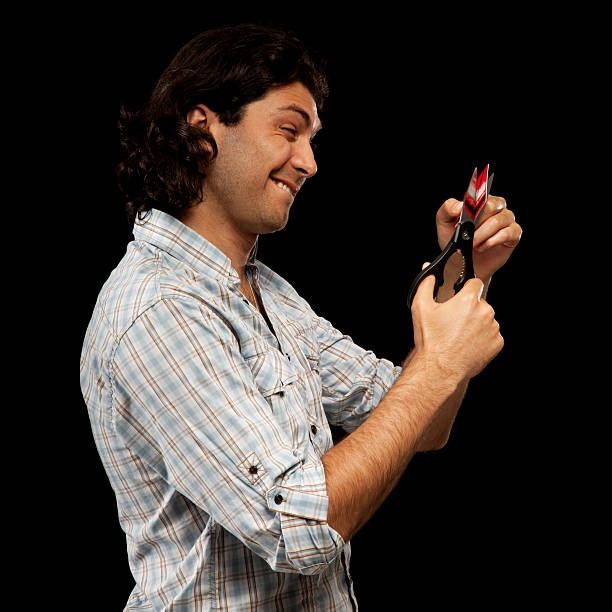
point(211, 384)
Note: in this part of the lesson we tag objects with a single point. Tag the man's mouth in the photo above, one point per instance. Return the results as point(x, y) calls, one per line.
point(288, 186)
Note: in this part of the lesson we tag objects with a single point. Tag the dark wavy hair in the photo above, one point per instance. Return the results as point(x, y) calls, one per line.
point(164, 158)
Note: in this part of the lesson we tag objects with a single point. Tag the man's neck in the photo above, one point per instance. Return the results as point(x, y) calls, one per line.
point(220, 232)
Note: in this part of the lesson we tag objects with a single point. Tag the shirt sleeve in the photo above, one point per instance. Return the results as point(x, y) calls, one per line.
point(354, 380)
point(206, 417)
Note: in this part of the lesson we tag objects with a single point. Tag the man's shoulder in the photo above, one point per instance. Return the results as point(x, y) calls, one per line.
point(143, 278)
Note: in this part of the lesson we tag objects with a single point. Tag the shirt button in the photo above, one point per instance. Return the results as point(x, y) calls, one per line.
point(253, 469)
point(278, 499)
point(313, 428)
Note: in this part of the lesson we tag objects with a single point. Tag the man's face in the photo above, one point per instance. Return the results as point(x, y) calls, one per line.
point(263, 160)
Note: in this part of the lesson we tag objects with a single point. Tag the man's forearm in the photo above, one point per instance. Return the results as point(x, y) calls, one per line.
point(417, 412)
point(363, 468)
point(438, 431)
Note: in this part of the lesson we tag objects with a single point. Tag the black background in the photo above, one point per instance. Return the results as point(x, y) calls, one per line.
point(417, 101)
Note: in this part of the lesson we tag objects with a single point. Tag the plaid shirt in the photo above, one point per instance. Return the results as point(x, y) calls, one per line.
point(211, 427)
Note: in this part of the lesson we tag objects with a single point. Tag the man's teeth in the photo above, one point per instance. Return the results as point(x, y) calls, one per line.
point(283, 186)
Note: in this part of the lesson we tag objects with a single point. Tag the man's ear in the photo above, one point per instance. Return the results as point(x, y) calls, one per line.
point(199, 116)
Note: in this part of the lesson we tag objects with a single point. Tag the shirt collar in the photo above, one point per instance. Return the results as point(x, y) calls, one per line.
point(169, 234)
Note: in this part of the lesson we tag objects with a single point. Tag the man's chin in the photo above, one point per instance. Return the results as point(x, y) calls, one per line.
point(271, 225)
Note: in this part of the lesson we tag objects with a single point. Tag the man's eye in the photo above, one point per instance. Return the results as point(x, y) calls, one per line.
point(290, 130)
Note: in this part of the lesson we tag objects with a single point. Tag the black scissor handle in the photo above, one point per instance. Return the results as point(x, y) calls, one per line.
point(436, 267)
point(465, 240)
point(462, 240)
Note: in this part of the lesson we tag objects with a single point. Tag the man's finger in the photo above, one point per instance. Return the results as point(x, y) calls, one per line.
point(475, 286)
point(493, 224)
point(449, 211)
point(494, 205)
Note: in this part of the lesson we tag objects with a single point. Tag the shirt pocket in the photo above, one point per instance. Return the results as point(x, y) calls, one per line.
point(308, 345)
point(277, 381)
point(272, 372)
point(307, 349)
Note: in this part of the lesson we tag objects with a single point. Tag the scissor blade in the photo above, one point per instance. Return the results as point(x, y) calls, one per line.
point(482, 192)
point(474, 205)
point(468, 199)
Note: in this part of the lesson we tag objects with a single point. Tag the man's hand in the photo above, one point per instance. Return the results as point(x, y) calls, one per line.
point(495, 237)
point(461, 335)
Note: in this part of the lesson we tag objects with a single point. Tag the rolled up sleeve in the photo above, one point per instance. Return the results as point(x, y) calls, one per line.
point(211, 421)
point(310, 544)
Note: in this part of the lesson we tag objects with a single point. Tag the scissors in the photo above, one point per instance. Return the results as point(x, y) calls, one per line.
point(474, 202)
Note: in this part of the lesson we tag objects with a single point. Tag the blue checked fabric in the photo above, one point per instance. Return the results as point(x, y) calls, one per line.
point(211, 426)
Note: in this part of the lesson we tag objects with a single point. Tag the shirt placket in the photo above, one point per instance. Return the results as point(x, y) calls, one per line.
point(318, 427)
point(253, 277)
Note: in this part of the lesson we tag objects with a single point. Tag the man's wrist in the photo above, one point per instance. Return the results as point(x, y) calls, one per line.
point(430, 371)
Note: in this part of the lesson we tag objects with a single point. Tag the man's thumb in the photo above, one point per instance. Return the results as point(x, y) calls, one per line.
point(426, 287)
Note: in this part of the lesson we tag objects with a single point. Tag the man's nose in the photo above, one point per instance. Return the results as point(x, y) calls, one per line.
point(304, 160)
